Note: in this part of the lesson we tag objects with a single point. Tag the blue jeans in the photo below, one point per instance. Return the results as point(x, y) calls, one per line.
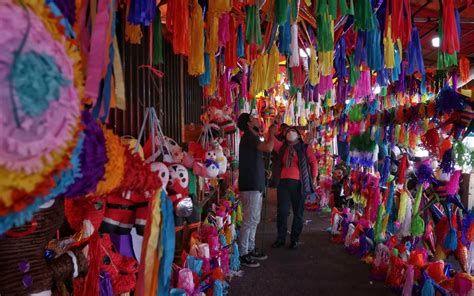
point(289, 194)
point(251, 209)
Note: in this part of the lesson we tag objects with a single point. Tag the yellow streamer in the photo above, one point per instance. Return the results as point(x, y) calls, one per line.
point(313, 68)
point(196, 57)
point(213, 85)
point(326, 59)
point(389, 46)
point(119, 81)
point(212, 44)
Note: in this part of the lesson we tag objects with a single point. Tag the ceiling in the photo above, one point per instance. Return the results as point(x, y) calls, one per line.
point(426, 15)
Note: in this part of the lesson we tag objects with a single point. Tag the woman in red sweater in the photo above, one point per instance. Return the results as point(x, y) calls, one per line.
point(295, 172)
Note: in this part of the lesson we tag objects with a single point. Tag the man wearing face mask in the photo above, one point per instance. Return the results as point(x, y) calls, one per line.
point(296, 172)
point(251, 184)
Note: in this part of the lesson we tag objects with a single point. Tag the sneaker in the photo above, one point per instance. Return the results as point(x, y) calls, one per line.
point(256, 255)
point(278, 244)
point(248, 261)
point(294, 245)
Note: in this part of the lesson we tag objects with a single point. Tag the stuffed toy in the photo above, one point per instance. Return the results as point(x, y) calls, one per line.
point(178, 190)
point(221, 115)
point(219, 157)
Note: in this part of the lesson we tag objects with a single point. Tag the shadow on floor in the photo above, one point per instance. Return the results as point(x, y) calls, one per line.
point(318, 267)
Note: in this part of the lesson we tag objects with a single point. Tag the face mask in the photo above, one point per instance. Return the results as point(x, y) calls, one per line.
point(291, 136)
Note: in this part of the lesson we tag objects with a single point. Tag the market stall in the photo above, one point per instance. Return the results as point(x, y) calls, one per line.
point(116, 179)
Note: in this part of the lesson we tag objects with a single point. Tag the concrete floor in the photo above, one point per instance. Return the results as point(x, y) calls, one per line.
point(318, 267)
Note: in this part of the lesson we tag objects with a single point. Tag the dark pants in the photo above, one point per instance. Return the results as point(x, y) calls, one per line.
point(289, 193)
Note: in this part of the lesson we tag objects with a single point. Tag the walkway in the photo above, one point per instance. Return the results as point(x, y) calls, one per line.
point(318, 267)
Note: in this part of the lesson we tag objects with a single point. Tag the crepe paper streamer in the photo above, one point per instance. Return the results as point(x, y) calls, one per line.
point(405, 228)
point(142, 12)
point(340, 58)
point(389, 46)
point(325, 33)
point(450, 40)
point(282, 15)
point(97, 55)
point(364, 18)
point(464, 69)
point(354, 74)
point(374, 53)
point(205, 79)
point(63, 180)
point(402, 207)
point(231, 53)
point(401, 24)
point(379, 236)
point(313, 72)
point(219, 7)
point(417, 224)
point(196, 57)
point(102, 106)
point(273, 68)
point(157, 40)
point(447, 162)
point(295, 53)
point(409, 278)
point(253, 33)
point(240, 42)
point(212, 88)
point(224, 33)
point(26, 142)
point(167, 246)
point(133, 33)
point(118, 81)
point(415, 56)
point(285, 38)
point(179, 25)
point(363, 87)
point(149, 265)
point(212, 39)
point(402, 170)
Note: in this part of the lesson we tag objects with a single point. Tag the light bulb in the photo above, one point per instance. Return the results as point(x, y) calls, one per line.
point(435, 41)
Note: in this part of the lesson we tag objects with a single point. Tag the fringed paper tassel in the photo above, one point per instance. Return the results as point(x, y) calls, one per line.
point(272, 67)
point(196, 57)
point(180, 31)
point(450, 41)
point(402, 170)
point(417, 224)
point(364, 18)
point(313, 75)
point(447, 162)
point(212, 40)
point(218, 288)
point(431, 141)
point(285, 38)
point(295, 54)
point(213, 84)
point(340, 58)
point(405, 229)
point(374, 53)
point(253, 33)
point(205, 79)
point(415, 56)
point(378, 229)
point(240, 42)
point(389, 46)
point(428, 288)
point(464, 69)
point(235, 258)
point(231, 52)
point(157, 40)
point(402, 207)
point(354, 74)
point(224, 27)
point(409, 278)
point(281, 12)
